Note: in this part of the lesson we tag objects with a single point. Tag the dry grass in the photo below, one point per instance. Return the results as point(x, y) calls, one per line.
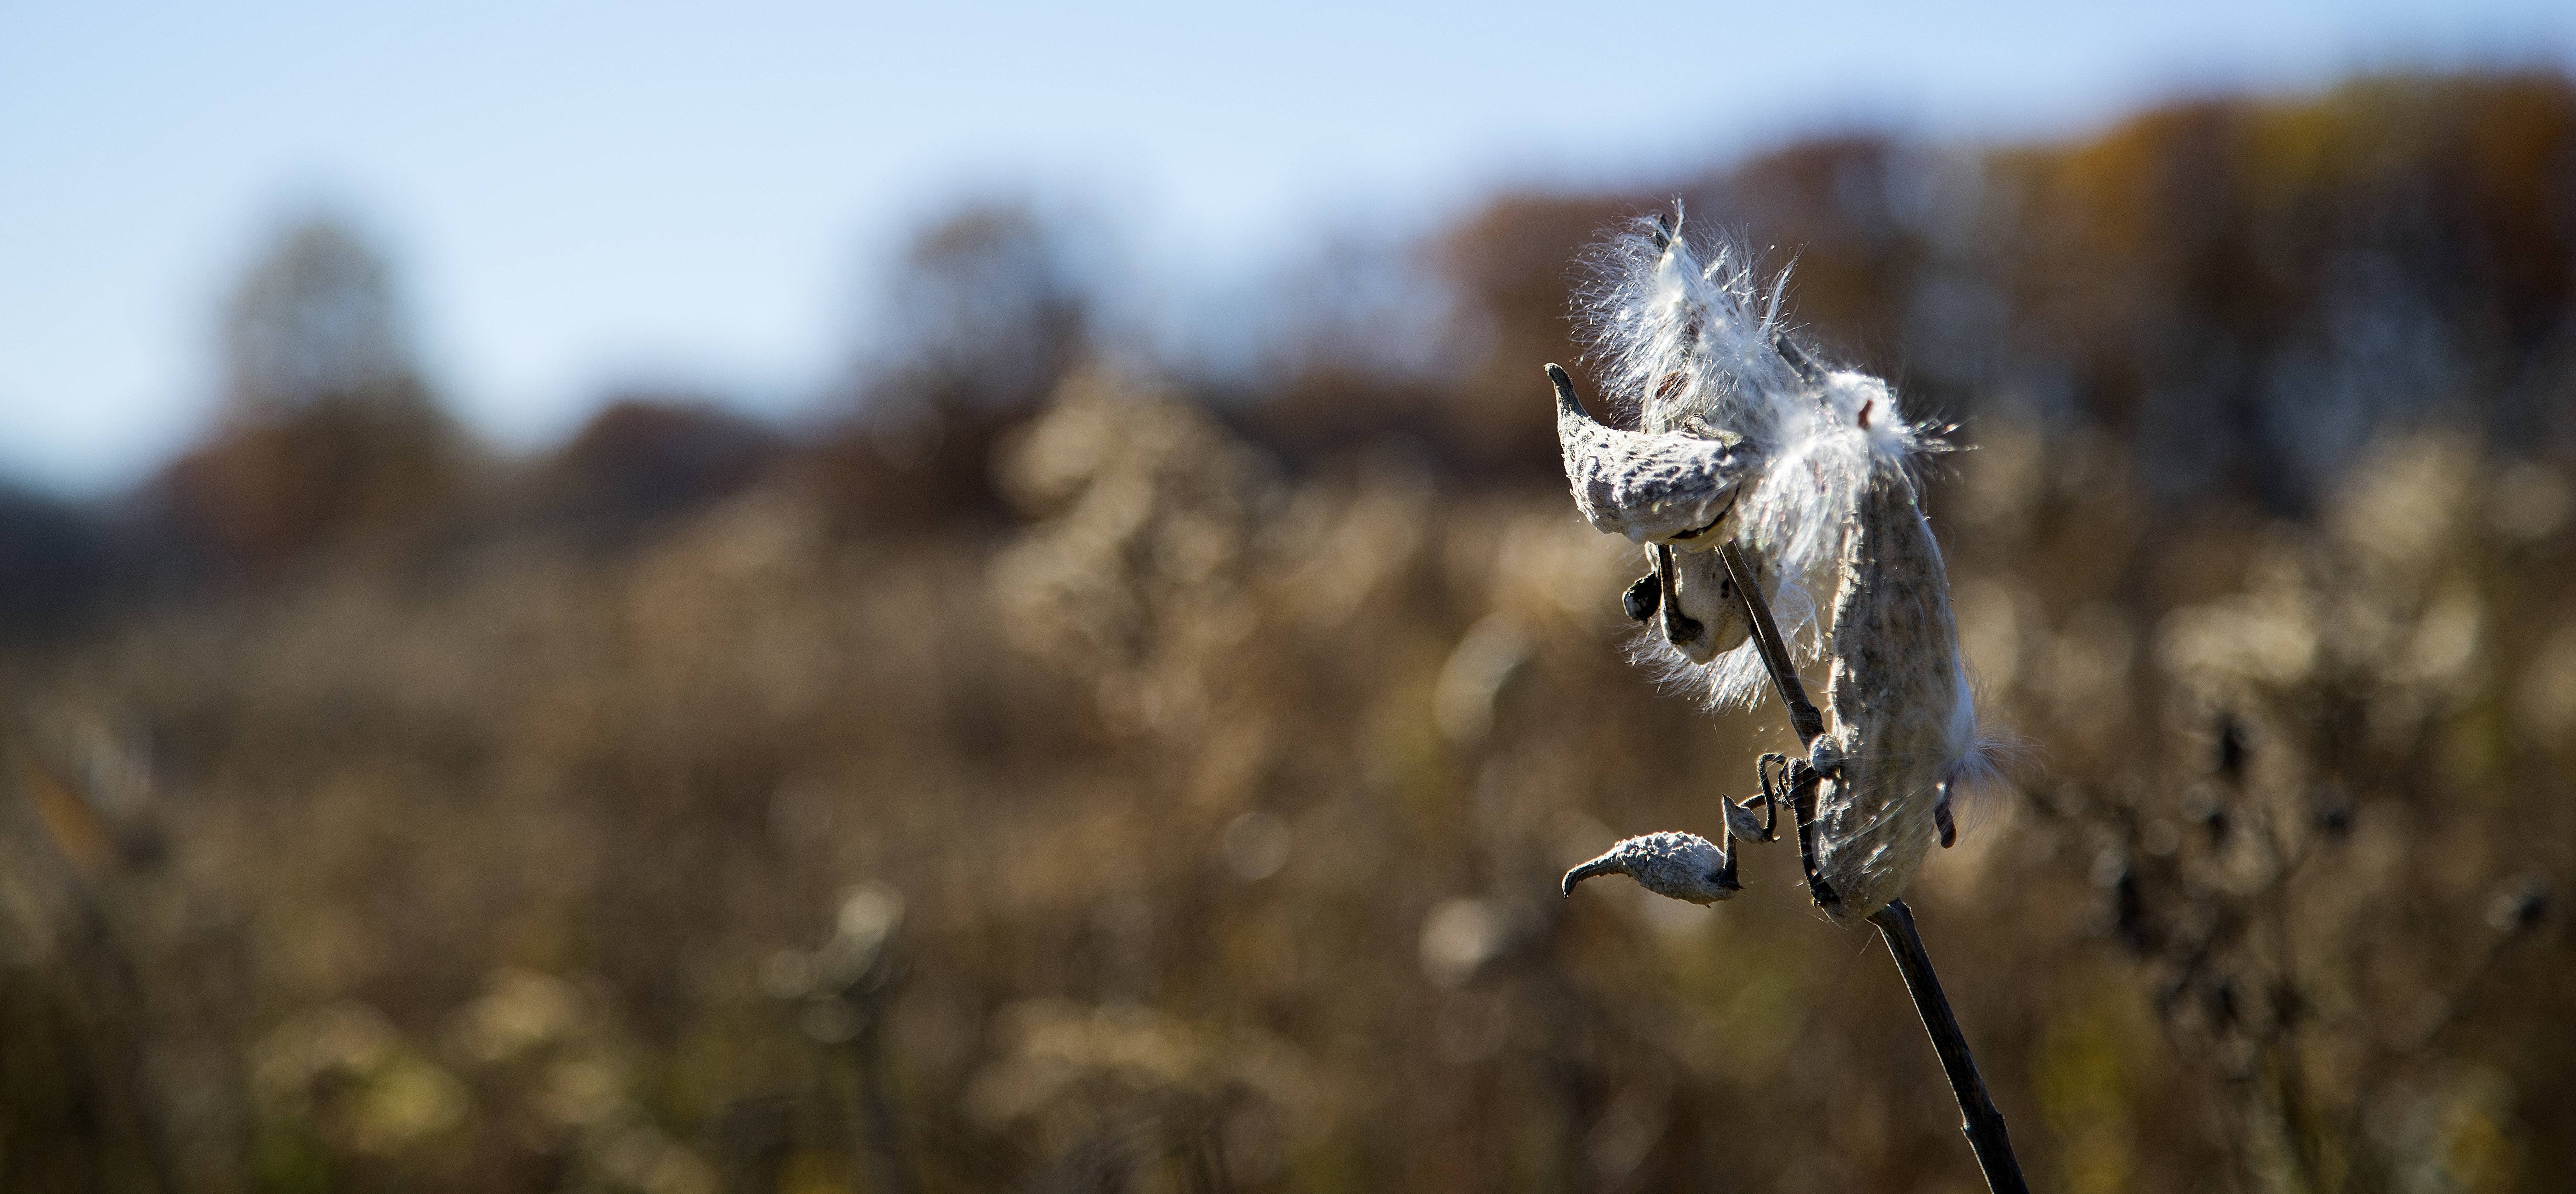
point(469, 876)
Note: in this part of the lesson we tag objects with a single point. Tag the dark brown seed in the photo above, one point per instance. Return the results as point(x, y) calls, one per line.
point(1642, 598)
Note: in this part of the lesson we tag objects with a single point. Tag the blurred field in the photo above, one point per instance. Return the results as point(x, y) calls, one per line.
point(1055, 776)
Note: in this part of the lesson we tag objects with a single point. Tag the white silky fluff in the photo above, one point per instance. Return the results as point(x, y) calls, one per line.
point(1685, 335)
point(1982, 757)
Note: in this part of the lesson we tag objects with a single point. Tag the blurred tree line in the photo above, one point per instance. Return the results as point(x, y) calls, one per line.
point(1028, 777)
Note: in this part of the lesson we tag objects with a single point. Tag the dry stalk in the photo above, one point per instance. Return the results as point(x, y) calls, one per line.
point(1980, 1120)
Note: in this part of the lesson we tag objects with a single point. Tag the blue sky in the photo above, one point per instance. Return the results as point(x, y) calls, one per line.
point(583, 194)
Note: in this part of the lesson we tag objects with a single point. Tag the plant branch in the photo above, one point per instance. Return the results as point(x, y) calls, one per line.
point(1983, 1124)
point(1803, 716)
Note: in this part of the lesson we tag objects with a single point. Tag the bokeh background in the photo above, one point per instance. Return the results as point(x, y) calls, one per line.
point(613, 598)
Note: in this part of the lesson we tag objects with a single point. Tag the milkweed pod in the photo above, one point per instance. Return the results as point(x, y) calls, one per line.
point(1680, 866)
point(1652, 488)
point(1699, 614)
point(1903, 719)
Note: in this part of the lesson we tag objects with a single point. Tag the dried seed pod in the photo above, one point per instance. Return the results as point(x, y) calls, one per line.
point(1745, 437)
point(1741, 436)
point(1688, 599)
point(1681, 866)
point(1902, 733)
point(1676, 493)
point(1649, 487)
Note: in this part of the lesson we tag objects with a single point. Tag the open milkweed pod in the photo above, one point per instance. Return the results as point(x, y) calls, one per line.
point(1673, 492)
point(1729, 412)
point(1745, 436)
point(1650, 487)
point(1904, 740)
point(1702, 620)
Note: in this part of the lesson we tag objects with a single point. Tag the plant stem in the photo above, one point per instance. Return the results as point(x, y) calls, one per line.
point(1983, 1124)
point(1803, 716)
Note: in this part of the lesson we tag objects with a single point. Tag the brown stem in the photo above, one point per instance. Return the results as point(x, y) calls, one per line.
point(1803, 716)
point(1983, 1124)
